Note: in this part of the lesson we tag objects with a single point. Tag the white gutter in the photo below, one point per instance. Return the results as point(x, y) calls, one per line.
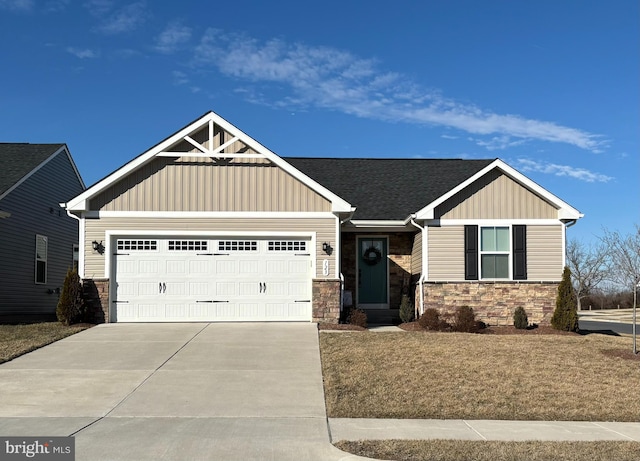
point(80, 239)
point(422, 274)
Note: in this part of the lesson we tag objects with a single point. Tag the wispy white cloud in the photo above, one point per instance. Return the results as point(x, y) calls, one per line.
point(179, 77)
point(329, 78)
point(53, 6)
point(82, 53)
point(121, 20)
point(528, 165)
point(448, 136)
point(172, 37)
point(498, 142)
point(17, 5)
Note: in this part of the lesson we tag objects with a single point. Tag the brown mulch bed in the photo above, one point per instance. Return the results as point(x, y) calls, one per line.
point(499, 330)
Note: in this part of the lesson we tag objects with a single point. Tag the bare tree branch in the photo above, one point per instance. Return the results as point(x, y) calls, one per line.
point(589, 267)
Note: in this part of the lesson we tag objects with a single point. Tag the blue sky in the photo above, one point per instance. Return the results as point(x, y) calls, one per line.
point(551, 87)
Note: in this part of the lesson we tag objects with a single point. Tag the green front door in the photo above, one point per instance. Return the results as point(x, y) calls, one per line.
point(372, 272)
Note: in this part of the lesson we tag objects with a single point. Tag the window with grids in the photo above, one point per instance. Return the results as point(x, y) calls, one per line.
point(188, 245)
point(41, 259)
point(287, 245)
point(238, 245)
point(495, 247)
point(137, 245)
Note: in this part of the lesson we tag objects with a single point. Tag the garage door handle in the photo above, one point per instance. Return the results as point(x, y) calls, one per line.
point(302, 301)
point(212, 301)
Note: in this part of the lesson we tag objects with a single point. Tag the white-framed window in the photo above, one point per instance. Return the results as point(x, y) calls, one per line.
point(495, 252)
point(287, 245)
point(188, 245)
point(238, 245)
point(42, 249)
point(137, 245)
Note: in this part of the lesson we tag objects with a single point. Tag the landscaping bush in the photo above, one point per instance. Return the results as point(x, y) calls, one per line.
point(430, 319)
point(565, 316)
point(465, 320)
point(407, 310)
point(70, 305)
point(520, 319)
point(357, 317)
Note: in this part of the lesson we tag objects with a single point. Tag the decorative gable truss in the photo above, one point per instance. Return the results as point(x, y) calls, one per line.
point(208, 140)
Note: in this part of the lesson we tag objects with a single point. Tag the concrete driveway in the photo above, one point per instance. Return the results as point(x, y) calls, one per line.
point(186, 391)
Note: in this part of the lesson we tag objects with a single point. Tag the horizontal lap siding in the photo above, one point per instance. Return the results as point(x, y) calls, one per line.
point(544, 253)
point(495, 196)
point(34, 208)
point(324, 228)
point(196, 184)
point(446, 253)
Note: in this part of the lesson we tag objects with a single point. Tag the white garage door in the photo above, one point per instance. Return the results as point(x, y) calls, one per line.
point(180, 279)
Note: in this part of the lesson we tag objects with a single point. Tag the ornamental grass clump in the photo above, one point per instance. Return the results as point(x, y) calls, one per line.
point(357, 317)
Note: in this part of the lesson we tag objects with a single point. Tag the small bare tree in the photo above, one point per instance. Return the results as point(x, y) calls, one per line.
point(588, 265)
point(624, 251)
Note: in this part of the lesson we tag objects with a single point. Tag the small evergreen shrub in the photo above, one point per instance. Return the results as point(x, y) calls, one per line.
point(70, 307)
point(357, 317)
point(465, 320)
point(430, 319)
point(565, 316)
point(406, 309)
point(520, 319)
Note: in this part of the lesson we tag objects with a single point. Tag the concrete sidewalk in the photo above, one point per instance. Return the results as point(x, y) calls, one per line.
point(431, 429)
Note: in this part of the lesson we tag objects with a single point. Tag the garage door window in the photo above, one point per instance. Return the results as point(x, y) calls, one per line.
point(238, 245)
point(137, 245)
point(287, 245)
point(188, 245)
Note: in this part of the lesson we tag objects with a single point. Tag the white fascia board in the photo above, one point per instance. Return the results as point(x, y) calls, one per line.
point(565, 211)
point(209, 214)
point(492, 222)
point(360, 225)
point(80, 202)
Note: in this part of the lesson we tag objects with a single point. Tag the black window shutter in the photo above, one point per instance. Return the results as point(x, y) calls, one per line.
point(519, 252)
point(471, 252)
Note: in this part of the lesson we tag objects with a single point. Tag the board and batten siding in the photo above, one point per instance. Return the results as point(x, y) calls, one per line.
point(544, 253)
point(34, 208)
point(203, 184)
point(95, 229)
point(495, 196)
point(446, 253)
point(416, 254)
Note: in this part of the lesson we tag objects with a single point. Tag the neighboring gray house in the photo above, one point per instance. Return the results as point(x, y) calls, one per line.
point(210, 225)
point(38, 240)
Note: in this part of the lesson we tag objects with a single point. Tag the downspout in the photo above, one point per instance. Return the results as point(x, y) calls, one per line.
point(348, 218)
point(81, 231)
point(421, 279)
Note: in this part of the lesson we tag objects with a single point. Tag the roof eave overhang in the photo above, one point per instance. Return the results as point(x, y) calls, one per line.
point(377, 225)
point(565, 211)
point(81, 202)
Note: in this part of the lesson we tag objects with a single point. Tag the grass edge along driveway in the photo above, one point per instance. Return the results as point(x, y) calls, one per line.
point(16, 340)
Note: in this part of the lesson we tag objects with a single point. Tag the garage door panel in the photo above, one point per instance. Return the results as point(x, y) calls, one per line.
point(209, 280)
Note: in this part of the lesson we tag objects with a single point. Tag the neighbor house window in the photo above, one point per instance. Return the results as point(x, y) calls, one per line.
point(41, 258)
point(495, 246)
point(75, 256)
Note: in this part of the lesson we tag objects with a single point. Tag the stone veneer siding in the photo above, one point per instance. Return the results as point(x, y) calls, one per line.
point(326, 301)
point(96, 299)
point(493, 302)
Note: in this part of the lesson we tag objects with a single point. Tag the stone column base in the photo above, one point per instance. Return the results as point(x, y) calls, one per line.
point(326, 300)
point(96, 299)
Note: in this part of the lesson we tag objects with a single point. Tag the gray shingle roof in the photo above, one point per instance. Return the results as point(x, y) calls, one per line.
point(19, 159)
point(388, 189)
